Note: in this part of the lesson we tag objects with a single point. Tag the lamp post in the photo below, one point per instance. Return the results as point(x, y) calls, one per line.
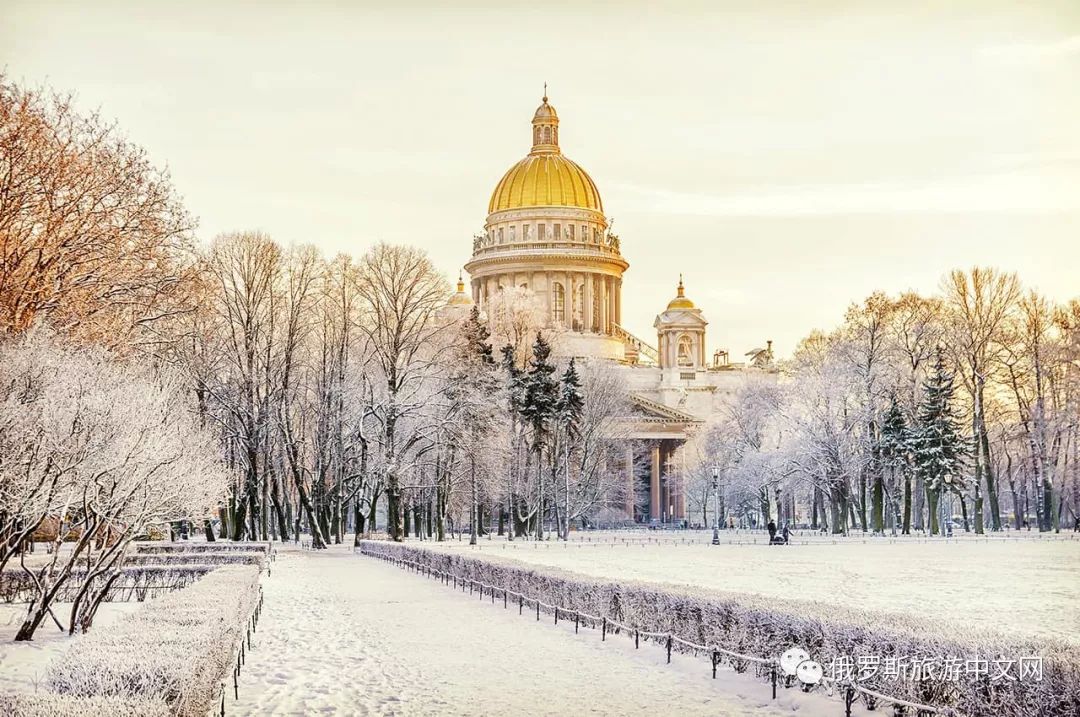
point(716, 505)
point(948, 516)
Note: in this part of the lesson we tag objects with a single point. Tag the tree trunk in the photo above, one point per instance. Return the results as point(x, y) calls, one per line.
point(932, 504)
point(878, 506)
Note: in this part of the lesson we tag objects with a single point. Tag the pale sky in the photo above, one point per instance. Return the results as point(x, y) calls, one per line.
point(787, 157)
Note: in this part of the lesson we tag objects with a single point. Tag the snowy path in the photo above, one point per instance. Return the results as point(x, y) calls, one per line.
point(345, 634)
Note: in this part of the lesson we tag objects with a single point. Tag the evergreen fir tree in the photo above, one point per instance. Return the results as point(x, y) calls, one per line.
point(514, 388)
point(541, 397)
point(571, 400)
point(568, 413)
point(515, 381)
point(474, 381)
point(541, 390)
point(895, 448)
point(939, 447)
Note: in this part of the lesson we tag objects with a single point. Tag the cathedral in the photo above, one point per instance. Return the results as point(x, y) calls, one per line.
point(546, 232)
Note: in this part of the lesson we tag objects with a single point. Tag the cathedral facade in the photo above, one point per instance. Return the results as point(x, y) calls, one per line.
point(546, 232)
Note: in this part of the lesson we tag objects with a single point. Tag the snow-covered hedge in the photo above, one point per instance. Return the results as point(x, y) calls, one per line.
point(753, 625)
point(196, 547)
point(201, 557)
point(135, 582)
point(46, 704)
point(177, 648)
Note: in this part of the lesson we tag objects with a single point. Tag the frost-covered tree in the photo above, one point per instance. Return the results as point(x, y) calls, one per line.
point(101, 448)
point(540, 401)
point(938, 447)
point(568, 410)
point(401, 294)
point(473, 382)
point(895, 458)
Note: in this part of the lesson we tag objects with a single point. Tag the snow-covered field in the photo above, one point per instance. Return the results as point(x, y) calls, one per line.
point(1025, 586)
point(23, 664)
point(347, 634)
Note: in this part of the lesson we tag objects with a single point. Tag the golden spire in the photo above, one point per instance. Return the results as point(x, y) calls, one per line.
point(680, 301)
point(460, 298)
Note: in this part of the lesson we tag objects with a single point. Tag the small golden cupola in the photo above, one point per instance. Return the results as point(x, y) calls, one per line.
point(680, 301)
point(545, 128)
point(460, 298)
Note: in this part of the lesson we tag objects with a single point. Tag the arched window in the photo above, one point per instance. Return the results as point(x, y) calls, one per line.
point(547, 135)
point(536, 135)
point(558, 303)
point(686, 351)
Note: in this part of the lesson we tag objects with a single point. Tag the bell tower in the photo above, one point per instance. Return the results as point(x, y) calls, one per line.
point(680, 333)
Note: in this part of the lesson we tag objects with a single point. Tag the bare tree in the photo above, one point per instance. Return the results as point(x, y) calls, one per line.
point(979, 304)
point(401, 293)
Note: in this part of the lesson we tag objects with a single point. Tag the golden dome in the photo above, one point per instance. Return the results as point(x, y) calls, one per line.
point(680, 301)
point(460, 298)
point(545, 178)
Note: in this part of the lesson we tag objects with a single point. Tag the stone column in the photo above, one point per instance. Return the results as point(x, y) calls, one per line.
point(618, 302)
point(654, 483)
point(665, 504)
point(603, 305)
point(611, 305)
point(587, 316)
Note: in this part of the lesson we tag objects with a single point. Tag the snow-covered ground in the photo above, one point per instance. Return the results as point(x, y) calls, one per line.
point(1023, 585)
point(23, 664)
point(347, 634)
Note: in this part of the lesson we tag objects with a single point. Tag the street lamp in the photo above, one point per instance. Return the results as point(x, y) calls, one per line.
point(716, 505)
point(948, 517)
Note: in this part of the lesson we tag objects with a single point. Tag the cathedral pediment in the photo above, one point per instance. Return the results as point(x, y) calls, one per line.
point(648, 408)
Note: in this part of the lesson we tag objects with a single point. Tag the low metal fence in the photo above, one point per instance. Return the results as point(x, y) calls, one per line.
point(766, 667)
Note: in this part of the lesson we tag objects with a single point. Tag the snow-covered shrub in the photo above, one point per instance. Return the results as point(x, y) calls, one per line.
point(765, 627)
point(177, 648)
point(45, 704)
point(191, 547)
point(200, 557)
point(134, 583)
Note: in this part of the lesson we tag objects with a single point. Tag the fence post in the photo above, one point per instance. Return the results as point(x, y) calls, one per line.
point(538, 611)
point(504, 598)
point(556, 614)
point(669, 648)
point(715, 661)
point(772, 676)
point(577, 619)
point(603, 631)
point(235, 688)
point(637, 642)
